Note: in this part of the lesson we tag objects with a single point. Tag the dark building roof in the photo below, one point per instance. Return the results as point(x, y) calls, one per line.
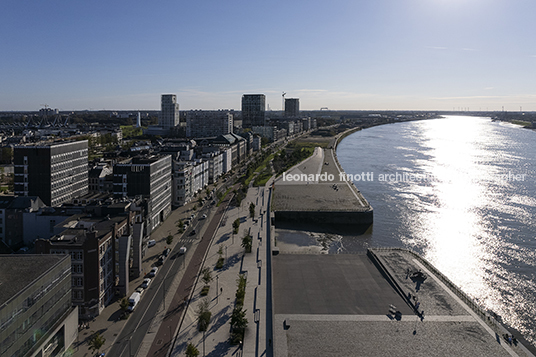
point(5, 201)
point(23, 202)
point(19, 271)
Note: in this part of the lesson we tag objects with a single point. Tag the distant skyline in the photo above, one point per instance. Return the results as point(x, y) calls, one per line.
point(343, 54)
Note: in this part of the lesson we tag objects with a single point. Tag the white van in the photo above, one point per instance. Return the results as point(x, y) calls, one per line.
point(151, 243)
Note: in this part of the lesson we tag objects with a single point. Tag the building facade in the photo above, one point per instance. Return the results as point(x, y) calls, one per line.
point(253, 110)
point(56, 172)
point(207, 123)
point(96, 257)
point(292, 107)
point(182, 183)
point(36, 314)
point(169, 114)
point(149, 177)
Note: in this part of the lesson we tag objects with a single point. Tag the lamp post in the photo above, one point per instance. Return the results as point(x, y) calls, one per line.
point(217, 290)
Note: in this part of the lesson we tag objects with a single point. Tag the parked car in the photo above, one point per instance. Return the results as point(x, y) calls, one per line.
point(182, 250)
point(140, 290)
point(146, 283)
point(153, 271)
point(151, 243)
point(166, 252)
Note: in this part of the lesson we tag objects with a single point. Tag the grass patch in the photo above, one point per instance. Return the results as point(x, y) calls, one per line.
point(524, 124)
point(223, 196)
point(308, 144)
point(130, 131)
point(256, 167)
point(263, 177)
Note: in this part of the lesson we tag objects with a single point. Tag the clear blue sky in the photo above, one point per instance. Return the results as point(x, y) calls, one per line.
point(340, 54)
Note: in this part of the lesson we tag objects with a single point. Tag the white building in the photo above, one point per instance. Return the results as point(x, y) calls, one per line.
point(189, 178)
point(199, 175)
point(227, 159)
point(215, 165)
point(169, 114)
point(182, 183)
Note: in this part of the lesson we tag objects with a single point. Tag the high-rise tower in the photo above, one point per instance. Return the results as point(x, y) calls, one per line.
point(292, 107)
point(169, 115)
point(253, 110)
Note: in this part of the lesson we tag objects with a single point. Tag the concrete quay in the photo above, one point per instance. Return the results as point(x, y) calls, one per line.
point(369, 305)
point(316, 190)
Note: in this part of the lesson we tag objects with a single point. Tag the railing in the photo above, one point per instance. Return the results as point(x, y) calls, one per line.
point(453, 287)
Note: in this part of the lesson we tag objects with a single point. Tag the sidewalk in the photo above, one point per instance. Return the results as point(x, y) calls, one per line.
point(108, 323)
point(222, 291)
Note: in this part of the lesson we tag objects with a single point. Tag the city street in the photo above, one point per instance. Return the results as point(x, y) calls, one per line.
point(255, 265)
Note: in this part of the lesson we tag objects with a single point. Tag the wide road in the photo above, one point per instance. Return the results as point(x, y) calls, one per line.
point(163, 340)
point(131, 337)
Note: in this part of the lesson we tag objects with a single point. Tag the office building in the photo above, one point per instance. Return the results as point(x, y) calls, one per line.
point(148, 177)
point(292, 107)
point(169, 114)
point(36, 314)
point(56, 172)
point(253, 110)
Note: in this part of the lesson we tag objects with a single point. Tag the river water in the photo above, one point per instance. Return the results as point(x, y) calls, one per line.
point(460, 191)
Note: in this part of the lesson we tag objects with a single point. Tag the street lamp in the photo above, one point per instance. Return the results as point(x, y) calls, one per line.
point(217, 290)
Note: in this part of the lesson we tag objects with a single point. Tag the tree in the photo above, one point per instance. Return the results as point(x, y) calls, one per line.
point(203, 315)
point(124, 304)
point(247, 243)
point(207, 275)
point(252, 210)
point(238, 324)
point(180, 225)
point(169, 239)
point(236, 225)
point(220, 262)
point(96, 342)
point(191, 351)
point(238, 318)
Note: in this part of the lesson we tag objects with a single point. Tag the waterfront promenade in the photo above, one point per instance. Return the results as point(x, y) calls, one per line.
point(369, 305)
point(221, 296)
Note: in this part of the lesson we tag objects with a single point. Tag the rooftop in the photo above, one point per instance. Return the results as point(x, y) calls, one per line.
point(19, 271)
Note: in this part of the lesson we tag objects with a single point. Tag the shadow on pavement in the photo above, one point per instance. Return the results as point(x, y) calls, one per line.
point(116, 316)
point(231, 261)
point(223, 238)
point(221, 349)
point(220, 319)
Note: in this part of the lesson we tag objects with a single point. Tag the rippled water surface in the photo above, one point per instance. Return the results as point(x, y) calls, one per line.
point(462, 192)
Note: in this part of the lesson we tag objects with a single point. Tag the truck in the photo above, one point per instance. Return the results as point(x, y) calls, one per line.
point(133, 300)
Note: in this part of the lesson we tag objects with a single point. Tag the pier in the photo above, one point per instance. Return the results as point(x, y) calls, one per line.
point(316, 190)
